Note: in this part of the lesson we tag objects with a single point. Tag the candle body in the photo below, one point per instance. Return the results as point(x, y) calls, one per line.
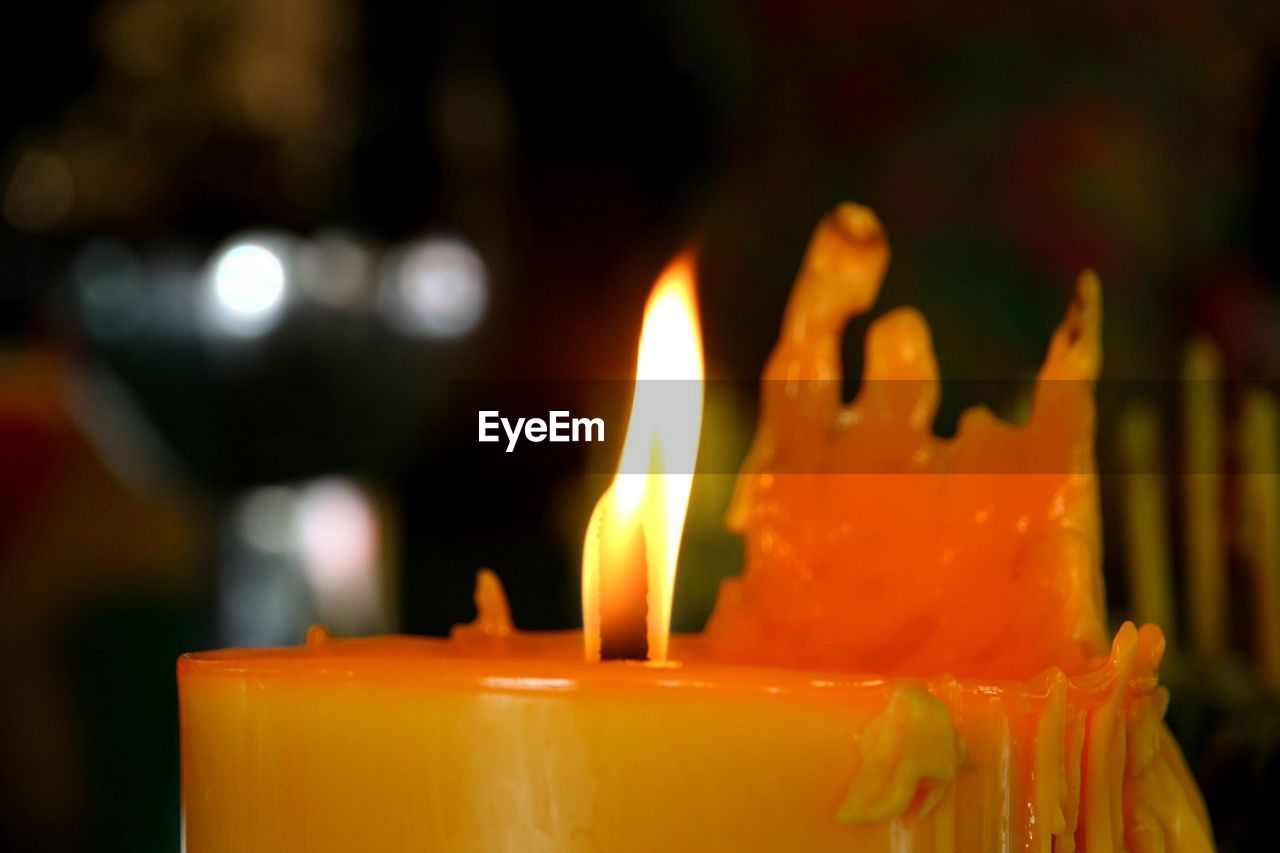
point(425, 745)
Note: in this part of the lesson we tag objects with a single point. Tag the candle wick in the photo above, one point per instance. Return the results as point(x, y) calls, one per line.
point(624, 589)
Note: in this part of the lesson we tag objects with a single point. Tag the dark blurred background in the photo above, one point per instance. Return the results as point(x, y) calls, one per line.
point(249, 250)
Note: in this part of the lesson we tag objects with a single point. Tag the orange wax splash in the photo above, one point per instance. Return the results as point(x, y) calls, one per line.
point(874, 545)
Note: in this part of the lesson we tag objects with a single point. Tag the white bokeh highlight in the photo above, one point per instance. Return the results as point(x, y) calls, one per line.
point(247, 287)
point(435, 288)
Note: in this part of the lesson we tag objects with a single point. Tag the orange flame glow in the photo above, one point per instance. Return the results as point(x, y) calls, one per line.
point(633, 539)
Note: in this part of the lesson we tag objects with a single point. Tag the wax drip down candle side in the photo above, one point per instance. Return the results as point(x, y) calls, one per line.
point(913, 659)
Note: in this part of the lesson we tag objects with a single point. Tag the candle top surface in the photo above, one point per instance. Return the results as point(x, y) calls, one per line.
point(552, 661)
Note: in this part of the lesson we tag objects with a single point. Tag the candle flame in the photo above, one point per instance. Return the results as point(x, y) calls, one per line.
point(633, 538)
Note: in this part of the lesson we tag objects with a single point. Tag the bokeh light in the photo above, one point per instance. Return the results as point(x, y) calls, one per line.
point(247, 286)
point(334, 269)
point(40, 192)
point(262, 594)
point(336, 534)
point(299, 553)
point(437, 288)
point(107, 277)
point(265, 519)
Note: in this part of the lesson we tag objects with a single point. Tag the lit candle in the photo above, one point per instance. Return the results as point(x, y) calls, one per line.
point(1259, 445)
point(1202, 499)
point(1145, 517)
point(914, 658)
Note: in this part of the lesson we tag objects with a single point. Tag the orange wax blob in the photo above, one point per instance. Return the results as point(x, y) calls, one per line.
point(873, 545)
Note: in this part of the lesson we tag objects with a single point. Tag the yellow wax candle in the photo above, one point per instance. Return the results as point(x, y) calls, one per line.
point(1260, 503)
point(914, 658)
point(1202, 499)
point(1146, 523)
point(515, 743)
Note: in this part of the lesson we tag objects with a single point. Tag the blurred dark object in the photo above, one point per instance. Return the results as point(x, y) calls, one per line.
point(1229, 729)
point(122, 655)
point(199, 114)
point(87, 520)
